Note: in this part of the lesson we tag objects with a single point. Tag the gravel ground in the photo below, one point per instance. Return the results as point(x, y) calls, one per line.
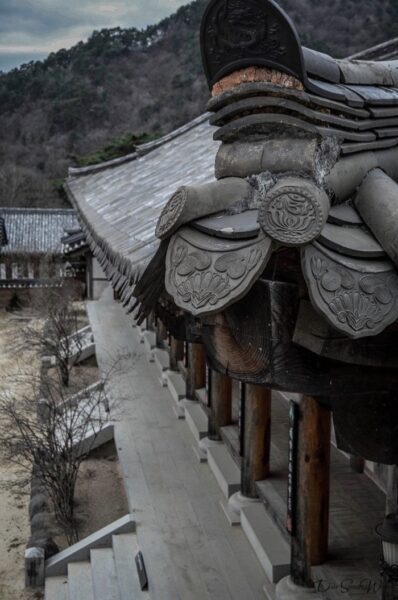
point(14, 523)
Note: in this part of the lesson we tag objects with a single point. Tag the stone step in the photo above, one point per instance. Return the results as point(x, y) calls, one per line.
point(224, 469)
point(176, 385)
point(80, 355)
point(125, 549)
point(201, 395)
point(182, 368)
point(162, 359)
point(271, 549)
point(96, 439)
point(269, 590)
point(80, 581)
point(141, 329)
point(149, 343)
point(197, 421)
point(105, 583)
point(58, 564)
point(56, 588)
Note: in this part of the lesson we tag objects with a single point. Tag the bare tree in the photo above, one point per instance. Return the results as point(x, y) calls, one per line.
point(58, 337)
point(55, 440)
point(24, 186)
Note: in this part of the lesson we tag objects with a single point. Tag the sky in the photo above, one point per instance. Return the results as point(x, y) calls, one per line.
point(31, 29)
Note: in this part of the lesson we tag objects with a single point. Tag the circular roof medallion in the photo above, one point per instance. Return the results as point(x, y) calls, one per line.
point(294, 211)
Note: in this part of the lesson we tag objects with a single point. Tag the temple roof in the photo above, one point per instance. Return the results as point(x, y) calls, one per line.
point(35, 230)
point(120, 201)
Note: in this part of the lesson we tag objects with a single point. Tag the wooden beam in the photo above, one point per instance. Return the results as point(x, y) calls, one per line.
point(220, 404)
point(256, 438)
point(311, 512)
point(252, 341)
point(176, 352)
point(196, 376)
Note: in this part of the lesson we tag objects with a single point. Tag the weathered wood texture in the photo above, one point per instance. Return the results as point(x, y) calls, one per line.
point(310, 542)
point(176, 353)
point(392, 491)
point(257, 438)
point(314, 333)
point(252, 341)
point(237, 387)
point(161, 332)
point(356, 507)
point(220, 404)
point(196, 376)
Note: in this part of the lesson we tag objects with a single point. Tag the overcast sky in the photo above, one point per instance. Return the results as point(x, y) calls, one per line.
point(31, 29)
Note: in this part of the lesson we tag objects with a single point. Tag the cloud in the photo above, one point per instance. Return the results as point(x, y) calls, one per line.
point(34, 28)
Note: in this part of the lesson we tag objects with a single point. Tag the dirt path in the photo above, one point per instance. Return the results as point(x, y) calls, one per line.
point(14, 523)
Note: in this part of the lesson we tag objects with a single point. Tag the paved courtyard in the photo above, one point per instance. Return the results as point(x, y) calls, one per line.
point(190, 551)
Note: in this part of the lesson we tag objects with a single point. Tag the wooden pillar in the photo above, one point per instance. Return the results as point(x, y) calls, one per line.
point(161, 332)
point(220, 404)
point(392, 490)
point(176, 353)
point(256, 438)
point(8, 263)
point(196, 376)
point(311, 506)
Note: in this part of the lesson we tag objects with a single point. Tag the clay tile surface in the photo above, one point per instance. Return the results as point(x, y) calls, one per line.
point(120, 203)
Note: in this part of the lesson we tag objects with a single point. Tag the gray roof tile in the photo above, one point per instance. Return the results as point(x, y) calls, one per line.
point(121, 203)
point(36, 231)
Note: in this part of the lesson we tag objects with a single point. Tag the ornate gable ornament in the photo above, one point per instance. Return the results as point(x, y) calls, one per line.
point(242, 33)
point(307, 161)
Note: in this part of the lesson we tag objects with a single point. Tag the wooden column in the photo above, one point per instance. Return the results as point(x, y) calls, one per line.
point(220, 404)
point(196, 376)
point(256, 438)
point(8, 263)
point(311, 506)
point(392, 490)
point(176, 353)
point(161, 332)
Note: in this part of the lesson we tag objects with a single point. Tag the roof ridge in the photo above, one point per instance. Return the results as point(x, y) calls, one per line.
point(373, 53)
point(27, 210)
point(142, 150)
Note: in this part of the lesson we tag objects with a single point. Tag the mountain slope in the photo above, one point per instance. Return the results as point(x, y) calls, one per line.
point(126, 81)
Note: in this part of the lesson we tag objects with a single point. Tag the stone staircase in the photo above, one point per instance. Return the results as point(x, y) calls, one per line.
point(101, 567)
point(87, 415)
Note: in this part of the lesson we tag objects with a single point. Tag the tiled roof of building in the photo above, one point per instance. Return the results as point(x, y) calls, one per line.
point(35, 230)
point(120, 201)
point(3, 233)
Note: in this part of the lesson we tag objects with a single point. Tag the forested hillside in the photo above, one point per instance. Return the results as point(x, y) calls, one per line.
point(124, 86)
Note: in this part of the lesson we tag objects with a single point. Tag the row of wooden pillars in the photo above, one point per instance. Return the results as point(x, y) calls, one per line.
point(312, 468)
point(309, 541)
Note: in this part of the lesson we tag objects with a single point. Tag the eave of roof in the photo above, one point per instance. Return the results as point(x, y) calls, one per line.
point(119, 201)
